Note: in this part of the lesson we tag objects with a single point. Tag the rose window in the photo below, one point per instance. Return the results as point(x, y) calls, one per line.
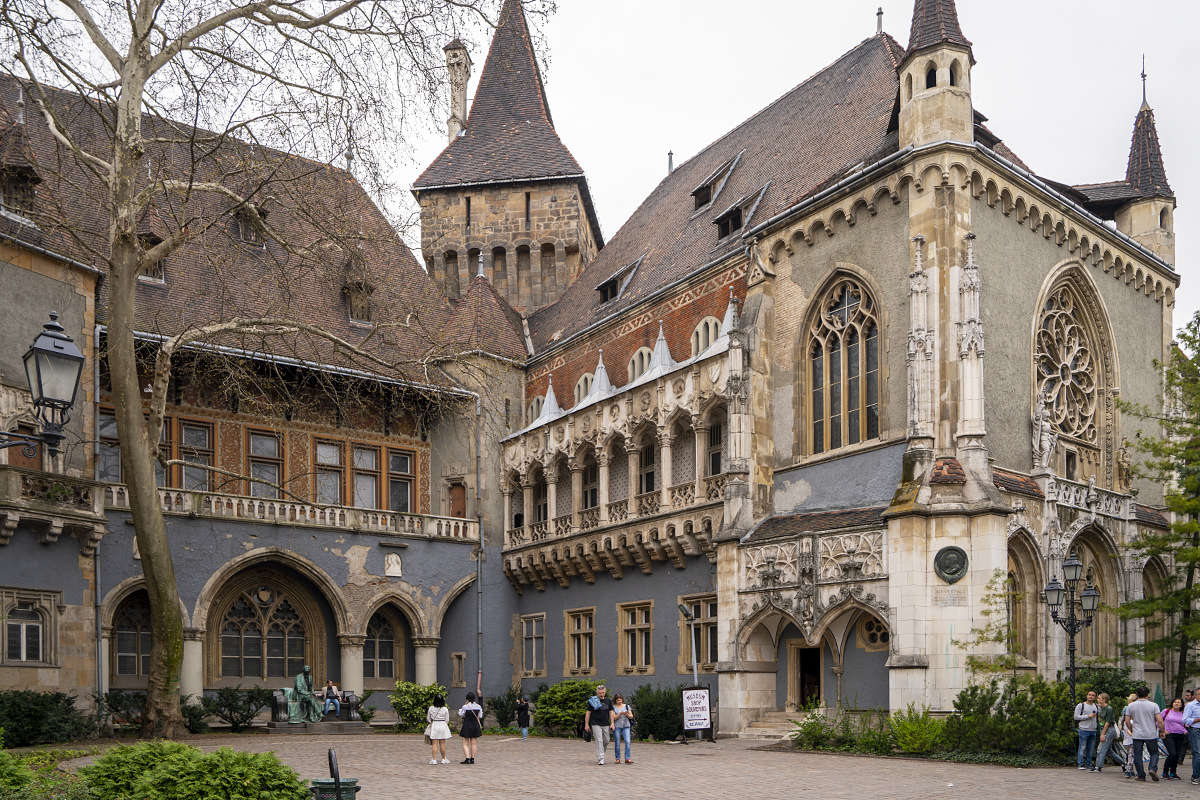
point(1066, 369)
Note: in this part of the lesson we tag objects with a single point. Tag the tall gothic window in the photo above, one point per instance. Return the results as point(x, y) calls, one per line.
point(132, 637)
point(379, 649)
point(262, 636)
point(843, 368)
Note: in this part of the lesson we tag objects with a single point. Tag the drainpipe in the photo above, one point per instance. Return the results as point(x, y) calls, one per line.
point(479, 553)
point(96, 474)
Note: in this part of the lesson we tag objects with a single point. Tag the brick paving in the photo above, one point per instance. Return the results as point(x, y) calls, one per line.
point(396, 767)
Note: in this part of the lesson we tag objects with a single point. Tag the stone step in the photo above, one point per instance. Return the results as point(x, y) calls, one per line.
point(324, 728)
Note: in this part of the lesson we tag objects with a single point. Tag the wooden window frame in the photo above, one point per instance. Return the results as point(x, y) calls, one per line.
point(581, 639)
point(458, 669)
point(704, 609)
point(44, 605)
point(328, 474)
point(255, 488)
point(396, 476)
point(533, 645)
point(635, 638)
point(179, 450)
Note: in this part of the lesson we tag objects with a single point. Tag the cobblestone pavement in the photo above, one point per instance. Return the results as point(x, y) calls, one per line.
point(396, 767)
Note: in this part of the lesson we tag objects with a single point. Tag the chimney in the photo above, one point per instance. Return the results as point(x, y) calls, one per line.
point(458, 66)
point(670, 161)
point(879, 21)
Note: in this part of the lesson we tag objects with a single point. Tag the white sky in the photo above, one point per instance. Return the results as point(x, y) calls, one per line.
point(1058, 80)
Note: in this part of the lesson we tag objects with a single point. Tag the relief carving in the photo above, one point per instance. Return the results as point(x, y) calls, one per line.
point(852, 556)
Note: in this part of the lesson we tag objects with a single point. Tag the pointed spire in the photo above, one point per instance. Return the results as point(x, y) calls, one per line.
point(550, 408)
point(601, 385)
point(1145, 171)
point(509, 134)
point(935, 22)
point(731, 315)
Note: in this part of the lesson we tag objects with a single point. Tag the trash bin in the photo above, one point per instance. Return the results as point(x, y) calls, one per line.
point(323, 789)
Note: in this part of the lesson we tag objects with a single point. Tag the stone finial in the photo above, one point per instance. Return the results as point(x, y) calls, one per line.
point(458, 65)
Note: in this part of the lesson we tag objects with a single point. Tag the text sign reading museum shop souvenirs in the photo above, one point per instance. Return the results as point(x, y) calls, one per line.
point(697, 714)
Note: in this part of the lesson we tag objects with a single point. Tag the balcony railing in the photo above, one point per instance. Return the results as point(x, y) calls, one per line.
point(649, 504)
point(292, 512)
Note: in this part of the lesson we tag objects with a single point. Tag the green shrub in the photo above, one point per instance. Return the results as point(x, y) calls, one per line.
point(365, 712)
point(412, 700)
point(1030, 717)
point(121, 709)
point(657, 713)
point(973, 727)
point(225, 774)
point(30, 718)
point(916, 732)
point(195, 714)
point(504, 705)
point(562, 706)
point(114, 774)
point(13, 774)
point(814, 732)
point(237, 706)
point(874, 734)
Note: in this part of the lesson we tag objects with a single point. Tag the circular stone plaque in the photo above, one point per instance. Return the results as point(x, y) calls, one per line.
point(950, 563)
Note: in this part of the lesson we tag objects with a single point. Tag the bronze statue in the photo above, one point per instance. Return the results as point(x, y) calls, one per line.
point(302, 703)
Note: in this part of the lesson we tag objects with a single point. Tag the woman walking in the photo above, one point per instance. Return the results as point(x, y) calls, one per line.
point(523, 717)
point(622, 727)
point(438, 717)
point(472, 727)
point(1175, 739)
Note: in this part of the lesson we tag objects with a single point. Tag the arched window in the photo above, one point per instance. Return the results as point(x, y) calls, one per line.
point(262, 636)
point(648, 471)
point(535, 408)
point(954, 70)
point(131, 637)
point(640, 363)
point(582, 387)
point(843, 368)
point(705, 334)
point(380, 651)
point(908, 86)
point(930, 76)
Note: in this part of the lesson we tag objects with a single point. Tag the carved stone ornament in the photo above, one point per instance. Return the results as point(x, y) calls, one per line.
point(950, 564)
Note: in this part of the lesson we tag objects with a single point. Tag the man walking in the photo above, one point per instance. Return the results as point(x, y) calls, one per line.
point(1191, 721)
point(1085, 718)
point(1107, 718)
point(1146, 718)
point(599, 719)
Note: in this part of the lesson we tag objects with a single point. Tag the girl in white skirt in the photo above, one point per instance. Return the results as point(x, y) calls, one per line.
point(438, 717)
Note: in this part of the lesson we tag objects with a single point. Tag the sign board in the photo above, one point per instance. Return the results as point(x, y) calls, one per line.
point(697, 712)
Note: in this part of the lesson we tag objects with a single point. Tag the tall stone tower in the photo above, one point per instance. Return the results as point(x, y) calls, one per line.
point(505, 199)
point(935, 78)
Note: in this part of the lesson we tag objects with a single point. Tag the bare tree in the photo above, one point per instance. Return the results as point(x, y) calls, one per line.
point(190, 121)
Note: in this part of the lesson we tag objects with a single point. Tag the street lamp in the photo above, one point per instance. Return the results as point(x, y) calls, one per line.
point(52, 366)
point(1072, 623)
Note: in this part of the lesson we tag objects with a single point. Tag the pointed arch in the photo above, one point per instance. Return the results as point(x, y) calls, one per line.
point(1022, 589)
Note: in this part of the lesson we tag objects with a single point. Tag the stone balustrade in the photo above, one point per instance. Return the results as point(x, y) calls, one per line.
point(1084, 497)
point(294, 512)
point(589, 518)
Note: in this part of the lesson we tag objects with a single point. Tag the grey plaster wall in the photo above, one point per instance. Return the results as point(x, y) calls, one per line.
point(866, 478)
point(664, 587)
point(879, 246)
point(459, 634)
point(1014, 264)
point(865, 680)
point(29, 299)
point(25, 563)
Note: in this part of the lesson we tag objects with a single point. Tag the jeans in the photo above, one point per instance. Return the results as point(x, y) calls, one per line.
point(524, 733)
point(337, 706)
point(1087, 746)
point(1138, 746)
point(1174, 744)
point(1104, 748)
point(601, 735)
point(1194, 741)
point(622, 735)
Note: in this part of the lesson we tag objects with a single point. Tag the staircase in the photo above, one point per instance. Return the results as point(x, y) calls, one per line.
point(771, 725)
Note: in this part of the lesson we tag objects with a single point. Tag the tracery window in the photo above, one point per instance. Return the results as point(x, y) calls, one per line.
point(262, 636)
point(1067, 367)
point(132, 637)
point(379, 649)
point(843, 368)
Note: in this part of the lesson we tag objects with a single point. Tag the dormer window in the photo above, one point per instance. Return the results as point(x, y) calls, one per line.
point(156, 270)
point(608, 290)
point(616, 283)
point(358, 298)
point(711, 186)
point(247, 228)
point(19, 191)
point(703, 196)
point(729, 223)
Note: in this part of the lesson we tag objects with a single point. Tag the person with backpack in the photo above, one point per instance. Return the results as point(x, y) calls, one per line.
point(1085, 718)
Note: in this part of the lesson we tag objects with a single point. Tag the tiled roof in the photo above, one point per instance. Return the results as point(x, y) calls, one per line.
point(947, 470)
point(1110, 192)
point(338, 237)
point(1145, 171)
point(510, 135)
point(814, 521)
point(1150, 516)
point(835, 120)
point(935, 22)
point(1016, 483)
point(484, 321)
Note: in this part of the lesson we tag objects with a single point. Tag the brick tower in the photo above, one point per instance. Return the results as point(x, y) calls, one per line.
point(506, 199)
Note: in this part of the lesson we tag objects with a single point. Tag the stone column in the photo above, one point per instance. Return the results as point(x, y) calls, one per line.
point(425, 655)
point(602, 459)
point(576, 494)
point(508, 520)
point(191, 678)
point(635, 465)
point(551, 495)
point(489, 267)
point(664, 461)
point(560, 268)
point(352, 662)
point(527, 492)
point(701, 460)
point(106, 660)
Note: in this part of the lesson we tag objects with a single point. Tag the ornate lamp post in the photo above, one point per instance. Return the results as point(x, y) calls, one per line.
point(1072, 623)
point(52, 365)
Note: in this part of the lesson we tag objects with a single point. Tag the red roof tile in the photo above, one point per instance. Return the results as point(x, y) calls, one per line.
point(947, 470)
point(484, 321)
point(1016, 483)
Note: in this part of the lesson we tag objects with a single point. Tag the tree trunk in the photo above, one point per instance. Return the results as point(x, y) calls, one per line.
point(162, 716)
point(1185, 617)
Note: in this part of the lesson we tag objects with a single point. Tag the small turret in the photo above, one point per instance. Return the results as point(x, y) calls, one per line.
point(1148, 220)
point(935, 78)
point(458, 64)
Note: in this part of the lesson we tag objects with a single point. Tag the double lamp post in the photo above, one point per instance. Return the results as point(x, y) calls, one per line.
point(1087, 601)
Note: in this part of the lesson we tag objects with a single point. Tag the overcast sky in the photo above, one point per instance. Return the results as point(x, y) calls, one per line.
point(1059, 81)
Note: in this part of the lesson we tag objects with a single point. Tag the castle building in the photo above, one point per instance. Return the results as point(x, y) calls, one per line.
point(764, 402)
